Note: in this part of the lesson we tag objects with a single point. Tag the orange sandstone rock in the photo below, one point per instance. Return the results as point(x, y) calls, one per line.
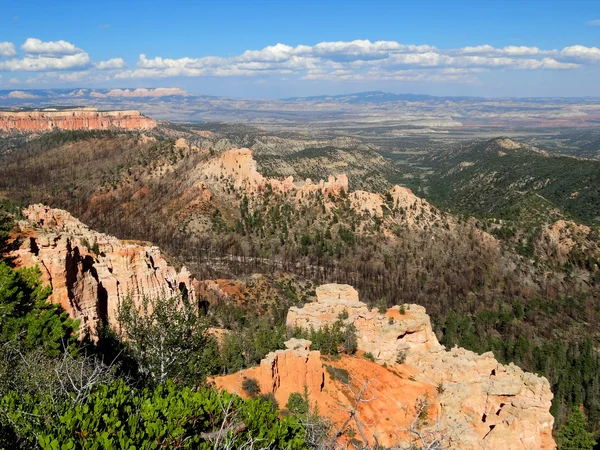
point(87, 285)
point(483, 404)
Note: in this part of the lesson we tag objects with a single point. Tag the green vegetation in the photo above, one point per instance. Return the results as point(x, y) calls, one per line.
point(331, 340)
point(500, 179)
point(57, 392)
point(573, 435)
point(115, 415)
point(167, 338)
point(539, 313)
point(251, 387)
point(297, 403)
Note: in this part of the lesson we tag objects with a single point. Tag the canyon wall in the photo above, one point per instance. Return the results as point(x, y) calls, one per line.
point(72, 119)
point(91, 273)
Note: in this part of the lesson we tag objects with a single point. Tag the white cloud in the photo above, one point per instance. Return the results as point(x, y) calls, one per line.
point(332, 60)
point(34, 46)
point(45, 63)
point(581, 52)
point(477, 49)
point(8, 49)
point(594, 23)
point(114, 63)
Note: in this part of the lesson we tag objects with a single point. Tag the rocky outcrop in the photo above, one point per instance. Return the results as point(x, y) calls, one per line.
point(562, 237)
point(483, 404)
point(237, 169)
point(389, 397)
point(72, 119)
point(91, 273)
point(382, 335)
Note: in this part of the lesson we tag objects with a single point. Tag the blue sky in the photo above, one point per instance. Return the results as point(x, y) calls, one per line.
point(526, 48)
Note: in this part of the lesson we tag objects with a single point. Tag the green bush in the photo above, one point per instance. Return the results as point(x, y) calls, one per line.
point(120, 417)
point(369, 356)
point(297, 403)
point(251, 387)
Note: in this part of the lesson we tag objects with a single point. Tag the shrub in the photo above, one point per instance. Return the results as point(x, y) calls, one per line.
point(297, 404)
point(251, 387)
point(369, 356)
point(270, 397)
point(401, 357)
point(339, 374)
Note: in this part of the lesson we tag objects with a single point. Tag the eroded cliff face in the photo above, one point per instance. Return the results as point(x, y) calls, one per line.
point(72, 119)
point(91, 273)
point(478, 402)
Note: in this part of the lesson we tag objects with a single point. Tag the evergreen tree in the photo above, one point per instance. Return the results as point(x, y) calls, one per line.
point(573, 435)
point(168, 339)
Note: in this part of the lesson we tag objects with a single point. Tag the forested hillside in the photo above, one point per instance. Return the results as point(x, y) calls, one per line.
point(540, 313)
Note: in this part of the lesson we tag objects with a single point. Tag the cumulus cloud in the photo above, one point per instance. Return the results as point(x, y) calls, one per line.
point(329, 60)
point(114, 63)
point(45, 63)
point(8, 49)
point(581, 52)
point(34, 46)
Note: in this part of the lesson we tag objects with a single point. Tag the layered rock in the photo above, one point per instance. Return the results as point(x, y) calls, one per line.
point(91, 273)
point(72, 119)
point(483, 404)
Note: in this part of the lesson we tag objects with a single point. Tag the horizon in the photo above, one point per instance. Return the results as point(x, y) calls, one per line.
point(297, 49)
point(291, 98)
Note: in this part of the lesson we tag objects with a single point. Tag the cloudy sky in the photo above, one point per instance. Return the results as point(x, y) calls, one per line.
point(289, 48)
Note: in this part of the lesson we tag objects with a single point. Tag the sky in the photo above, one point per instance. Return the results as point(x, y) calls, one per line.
point(278, 49)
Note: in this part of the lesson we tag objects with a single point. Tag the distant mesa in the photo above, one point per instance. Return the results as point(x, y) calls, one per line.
point(45, 120)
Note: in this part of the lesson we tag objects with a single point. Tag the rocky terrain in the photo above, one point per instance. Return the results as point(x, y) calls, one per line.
point(477, 403)
point(259, 236)
point(472, 401)
point(91, 273)
point(37, 121)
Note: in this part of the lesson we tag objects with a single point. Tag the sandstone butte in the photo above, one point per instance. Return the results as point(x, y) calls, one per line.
point(476, 402)
point(87, 285)
point(72, 119)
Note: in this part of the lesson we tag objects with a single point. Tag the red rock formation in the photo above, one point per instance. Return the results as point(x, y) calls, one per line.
point(72, 119)
point(90, 286)
point(484, 404)
point(390, 396)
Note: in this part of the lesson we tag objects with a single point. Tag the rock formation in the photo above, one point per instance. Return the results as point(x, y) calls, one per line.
point(72, 119)
point(91, 272)
point(482, 404)
point(333, 385)
point(237, 168)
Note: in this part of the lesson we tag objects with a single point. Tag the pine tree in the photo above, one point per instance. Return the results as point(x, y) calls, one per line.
point(573, 435)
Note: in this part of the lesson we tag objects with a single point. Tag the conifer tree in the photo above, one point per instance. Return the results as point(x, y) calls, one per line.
point(573, 435)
